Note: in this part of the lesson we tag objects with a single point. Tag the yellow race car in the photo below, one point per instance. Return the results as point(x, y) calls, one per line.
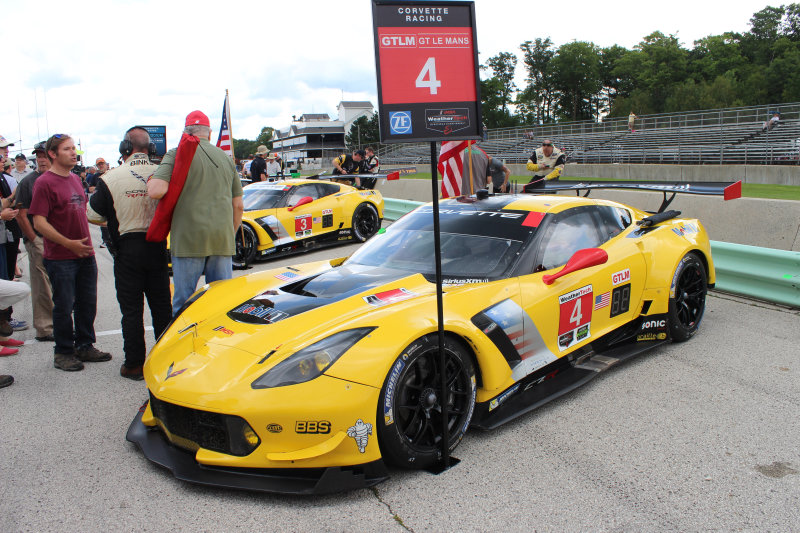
point(313, 378)
point(298, 215)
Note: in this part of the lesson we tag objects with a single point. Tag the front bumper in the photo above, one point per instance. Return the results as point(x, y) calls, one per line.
point(277, 480)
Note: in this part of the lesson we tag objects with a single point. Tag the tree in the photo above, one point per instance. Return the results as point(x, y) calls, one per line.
point(503, 67)
point(576, 79)
point(364, 131)
point(242, 148)
point(536, 99)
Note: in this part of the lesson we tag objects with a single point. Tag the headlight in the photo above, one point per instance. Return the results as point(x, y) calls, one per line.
point(312, 361)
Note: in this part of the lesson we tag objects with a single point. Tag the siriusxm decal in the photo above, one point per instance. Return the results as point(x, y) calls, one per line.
point(400, 122)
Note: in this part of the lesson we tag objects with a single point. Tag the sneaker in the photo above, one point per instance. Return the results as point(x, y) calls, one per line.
point(5, 381)
point(67, 361)
point(7, 351)
point(46, 338)
point(18, 325)
point(13, 343)
point(135, 372)
point(90, 354)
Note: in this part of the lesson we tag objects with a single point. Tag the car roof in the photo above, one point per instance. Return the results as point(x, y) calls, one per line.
point(528, 202)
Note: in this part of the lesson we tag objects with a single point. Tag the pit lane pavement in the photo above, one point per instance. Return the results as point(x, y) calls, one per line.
point(691, 437)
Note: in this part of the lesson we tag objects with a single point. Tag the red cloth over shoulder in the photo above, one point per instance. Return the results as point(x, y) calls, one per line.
point(162, 219)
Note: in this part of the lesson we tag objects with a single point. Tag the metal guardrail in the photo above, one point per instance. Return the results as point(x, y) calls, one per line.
point(763, 273)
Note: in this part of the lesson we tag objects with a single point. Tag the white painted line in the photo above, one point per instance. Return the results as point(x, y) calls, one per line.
point(97, 334)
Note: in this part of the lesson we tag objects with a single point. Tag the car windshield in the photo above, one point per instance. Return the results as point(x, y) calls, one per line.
point(262, 197)
point(472, 246)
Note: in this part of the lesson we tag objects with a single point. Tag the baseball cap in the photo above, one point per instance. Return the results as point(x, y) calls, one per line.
point(197, 118)
point(4, 142)
point(39, 147)
point(99, 160)
point(21, 156)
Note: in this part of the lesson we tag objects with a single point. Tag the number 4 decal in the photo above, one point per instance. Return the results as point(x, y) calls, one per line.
point(575, 317)
point(429, 69)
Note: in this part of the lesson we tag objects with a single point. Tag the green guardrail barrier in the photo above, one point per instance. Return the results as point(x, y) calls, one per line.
point(763, 273)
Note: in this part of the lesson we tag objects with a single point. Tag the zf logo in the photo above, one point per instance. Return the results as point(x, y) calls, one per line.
point(312, 426)
point(400, 122)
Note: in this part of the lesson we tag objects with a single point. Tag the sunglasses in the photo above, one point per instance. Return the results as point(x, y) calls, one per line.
point(60, 135)
point(547, 144)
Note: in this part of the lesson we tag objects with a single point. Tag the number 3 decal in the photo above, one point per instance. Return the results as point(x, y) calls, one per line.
point(429, 69)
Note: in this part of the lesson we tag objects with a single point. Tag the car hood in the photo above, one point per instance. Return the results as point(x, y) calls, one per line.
point(232, 341)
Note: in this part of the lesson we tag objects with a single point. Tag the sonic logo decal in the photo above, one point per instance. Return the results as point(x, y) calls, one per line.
point(360, 432)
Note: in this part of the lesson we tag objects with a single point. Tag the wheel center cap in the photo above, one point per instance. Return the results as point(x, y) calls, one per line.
point(428, 398)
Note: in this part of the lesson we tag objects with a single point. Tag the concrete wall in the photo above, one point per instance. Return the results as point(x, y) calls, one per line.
point(752, 221)
point(771, 174)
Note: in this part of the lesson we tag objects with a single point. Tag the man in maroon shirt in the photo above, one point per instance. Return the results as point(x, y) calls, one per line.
point(59, 214)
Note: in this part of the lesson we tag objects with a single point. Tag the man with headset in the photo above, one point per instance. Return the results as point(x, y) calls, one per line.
point(121, 203)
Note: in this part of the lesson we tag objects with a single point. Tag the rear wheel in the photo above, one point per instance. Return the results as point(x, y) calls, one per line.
point(410, 409)
point(246, 246)
point(365, 222)
point(687, 303)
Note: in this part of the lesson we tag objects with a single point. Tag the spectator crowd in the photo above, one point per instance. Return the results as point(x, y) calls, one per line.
point(136, 205)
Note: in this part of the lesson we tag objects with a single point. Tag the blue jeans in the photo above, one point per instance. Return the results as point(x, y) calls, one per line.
point(74, 284)
point(186, 272)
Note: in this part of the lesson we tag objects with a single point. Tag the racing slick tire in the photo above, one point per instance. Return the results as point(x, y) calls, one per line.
point(409, 416)
point(365, 222)
point(246, 246)
point(687, 303)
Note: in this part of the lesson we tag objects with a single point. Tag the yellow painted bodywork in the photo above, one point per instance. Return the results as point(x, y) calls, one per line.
point(342, 204)
point(219, 365)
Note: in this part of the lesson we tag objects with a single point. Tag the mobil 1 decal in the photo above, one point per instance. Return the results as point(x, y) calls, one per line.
point(575, 317)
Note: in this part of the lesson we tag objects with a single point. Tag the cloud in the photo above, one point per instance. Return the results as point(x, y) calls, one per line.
point(52, 79)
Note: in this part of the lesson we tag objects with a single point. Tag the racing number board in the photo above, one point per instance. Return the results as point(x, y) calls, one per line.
point(427, 63)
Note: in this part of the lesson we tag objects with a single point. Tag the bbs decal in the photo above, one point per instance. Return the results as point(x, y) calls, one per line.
point(312, 426)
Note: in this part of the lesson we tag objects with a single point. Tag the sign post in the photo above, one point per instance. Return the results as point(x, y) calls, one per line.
point(426, 59)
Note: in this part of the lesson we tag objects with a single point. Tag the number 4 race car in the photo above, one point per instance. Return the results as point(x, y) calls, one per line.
point(296, 215)
point(311, 379)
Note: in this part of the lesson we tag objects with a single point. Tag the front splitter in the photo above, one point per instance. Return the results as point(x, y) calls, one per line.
point(305, 481)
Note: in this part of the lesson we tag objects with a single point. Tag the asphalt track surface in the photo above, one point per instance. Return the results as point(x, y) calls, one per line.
point(699, 436)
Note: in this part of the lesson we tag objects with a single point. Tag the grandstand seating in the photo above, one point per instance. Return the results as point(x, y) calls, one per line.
point(726, 136)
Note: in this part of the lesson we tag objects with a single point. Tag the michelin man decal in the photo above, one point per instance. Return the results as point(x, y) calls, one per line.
point(360, 432)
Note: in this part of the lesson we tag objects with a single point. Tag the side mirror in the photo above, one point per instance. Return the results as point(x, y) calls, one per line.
point(588, 257)
point(303, 201)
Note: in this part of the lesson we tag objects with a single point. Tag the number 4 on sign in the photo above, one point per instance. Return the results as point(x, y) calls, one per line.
point(429, 69)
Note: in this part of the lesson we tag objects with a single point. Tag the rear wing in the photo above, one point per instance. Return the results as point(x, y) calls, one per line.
point(729, 190)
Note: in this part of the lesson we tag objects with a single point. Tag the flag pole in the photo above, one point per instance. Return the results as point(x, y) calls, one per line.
point(230, 127)
point(469, 153)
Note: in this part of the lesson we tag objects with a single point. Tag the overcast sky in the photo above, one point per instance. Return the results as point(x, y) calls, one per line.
point(94, 68)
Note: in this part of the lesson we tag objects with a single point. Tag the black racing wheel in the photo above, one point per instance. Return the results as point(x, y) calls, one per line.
point(410, 408)
point(246, 247)
point(688, 301)
point(365, 222)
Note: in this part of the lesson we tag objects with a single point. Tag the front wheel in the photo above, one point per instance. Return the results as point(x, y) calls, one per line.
point(246, 247)
point(410, 408)
point(365, 222)
point(687, 297)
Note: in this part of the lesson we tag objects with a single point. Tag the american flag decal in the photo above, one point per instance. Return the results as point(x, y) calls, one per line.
point(602, 300)
point(224, 141)
point(286, 276)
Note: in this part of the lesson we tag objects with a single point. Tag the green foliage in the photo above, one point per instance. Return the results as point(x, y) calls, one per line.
point(364, 132)
point(242, 148)
point(579, 80)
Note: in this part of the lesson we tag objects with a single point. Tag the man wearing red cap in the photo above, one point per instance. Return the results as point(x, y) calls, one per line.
point(208, 210)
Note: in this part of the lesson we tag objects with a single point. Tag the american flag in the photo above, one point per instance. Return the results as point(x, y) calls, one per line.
point(287, 276)
point(451, 165)
point(602, 300)
point(224, 142)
